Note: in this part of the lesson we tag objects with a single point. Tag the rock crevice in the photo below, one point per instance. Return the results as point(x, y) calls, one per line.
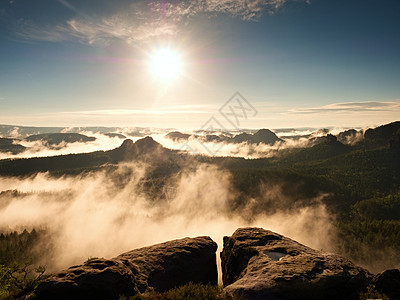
point(260, 264)
point(256, 264)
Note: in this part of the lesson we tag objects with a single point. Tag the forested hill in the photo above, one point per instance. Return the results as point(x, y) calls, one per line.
point(362, 170)
point(143, 149)
point(352, 173)
point(360, 183)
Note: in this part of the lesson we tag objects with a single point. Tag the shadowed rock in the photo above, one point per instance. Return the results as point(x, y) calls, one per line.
point(156, 268)
point(388, 283)
point(95, 279)
point(167, 265)
point(260, 264)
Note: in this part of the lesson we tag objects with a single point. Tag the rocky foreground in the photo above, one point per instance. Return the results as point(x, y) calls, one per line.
point(156, 268)
point(256, 264)
point(260, 264)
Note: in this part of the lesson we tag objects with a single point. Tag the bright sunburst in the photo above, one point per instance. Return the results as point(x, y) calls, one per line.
point(166, 64)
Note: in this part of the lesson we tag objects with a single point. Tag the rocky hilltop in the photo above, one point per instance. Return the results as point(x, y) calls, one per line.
point(261, 264)
point(156, 268)
point(256, 264)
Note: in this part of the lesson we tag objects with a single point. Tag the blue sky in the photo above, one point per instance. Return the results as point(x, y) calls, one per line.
point(299, 63)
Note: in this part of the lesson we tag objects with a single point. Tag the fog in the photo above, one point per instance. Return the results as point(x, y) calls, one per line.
point(39, 149)
point(193, 145)
point(104, 214)
point(292, 138)
point(247, 150)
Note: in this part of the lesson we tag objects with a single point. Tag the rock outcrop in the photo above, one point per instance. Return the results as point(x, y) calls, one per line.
point(260, 264)
point(167, 265)
point(256, 264)
point(347, 136)
point(156, 268)
point(388, 283)
point(143, 149)
point(95, 279)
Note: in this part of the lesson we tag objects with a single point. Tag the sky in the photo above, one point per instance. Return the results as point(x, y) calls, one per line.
point(295, 63)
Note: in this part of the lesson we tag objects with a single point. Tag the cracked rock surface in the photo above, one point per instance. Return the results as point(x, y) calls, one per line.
point(157, 268)
point(261, 264)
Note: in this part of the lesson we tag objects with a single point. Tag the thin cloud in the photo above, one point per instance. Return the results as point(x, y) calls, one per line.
point(184, 109)
point(118, 27)
point(247, 10)
point(366, 106)
point(142, 21)
point(28, 30)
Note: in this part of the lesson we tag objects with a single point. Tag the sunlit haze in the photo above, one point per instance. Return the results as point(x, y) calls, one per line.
point(175, 64)
point(199, 149)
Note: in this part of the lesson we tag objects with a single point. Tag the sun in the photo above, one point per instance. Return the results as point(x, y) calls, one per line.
point(166, 64)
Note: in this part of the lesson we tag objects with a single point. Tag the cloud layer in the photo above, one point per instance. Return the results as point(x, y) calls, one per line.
point(366, 106)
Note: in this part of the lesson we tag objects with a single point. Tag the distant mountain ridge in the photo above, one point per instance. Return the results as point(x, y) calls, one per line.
point(382, 135)
point(144, 149)
point(327, 148)
point(262, 136)
point(10, 146)
point(52, 139)
point(17, 131)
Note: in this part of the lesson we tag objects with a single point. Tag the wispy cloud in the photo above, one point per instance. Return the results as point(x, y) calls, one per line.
point(172, 110)
point(119, 27)
point(142, 21)
point(247, 10)
point(366, 106)
point(244, 9)
point(28, 30)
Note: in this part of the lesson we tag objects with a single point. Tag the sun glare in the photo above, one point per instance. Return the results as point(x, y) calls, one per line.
point(166, 64)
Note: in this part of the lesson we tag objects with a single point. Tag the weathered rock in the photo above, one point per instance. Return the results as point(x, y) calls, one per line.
point(388, 283)
point(155, 268)
point(95, 279)
point(175, 263)
point(260, 264)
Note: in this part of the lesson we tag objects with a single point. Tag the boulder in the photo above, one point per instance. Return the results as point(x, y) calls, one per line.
point(261, 264)
point(95, 279)
point(388, 283)
point(157, 268)
point(164, 266)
